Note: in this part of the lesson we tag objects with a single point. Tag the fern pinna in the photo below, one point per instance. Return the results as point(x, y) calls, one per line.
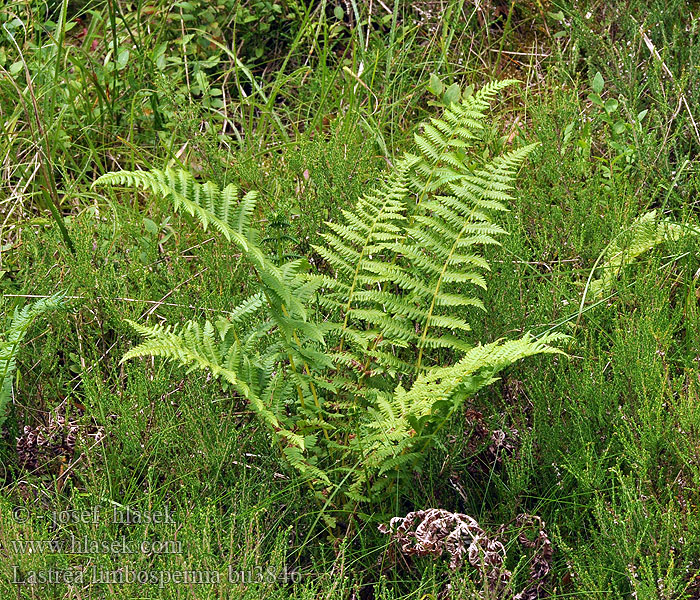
point(355, 393)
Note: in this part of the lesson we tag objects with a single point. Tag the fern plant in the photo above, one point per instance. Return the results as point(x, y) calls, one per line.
point(12, 338)
point(645, 233)
point(355, 373)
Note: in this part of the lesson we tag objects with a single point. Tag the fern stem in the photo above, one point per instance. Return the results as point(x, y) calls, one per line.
point(312, 387)
point(300, 392)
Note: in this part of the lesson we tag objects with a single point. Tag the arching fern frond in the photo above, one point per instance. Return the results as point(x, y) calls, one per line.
point(214, 347)
point(192, 345)
point(398, 429)
point(211, 205)
point(284, 288)
point(11, 339)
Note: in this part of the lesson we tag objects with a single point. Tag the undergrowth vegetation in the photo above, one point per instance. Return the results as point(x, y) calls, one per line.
point(352, 218)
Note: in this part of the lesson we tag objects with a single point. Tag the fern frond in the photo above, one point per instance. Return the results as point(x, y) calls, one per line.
point(397, 428)
point(408, 269)
point(12, 338)
point(440, 243)
point(211, 205)
point(209, 347)
point(645, 233)
point(192, 345)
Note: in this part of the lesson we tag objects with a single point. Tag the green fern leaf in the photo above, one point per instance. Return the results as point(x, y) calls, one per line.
point(12, 338)
point(209, 204)
point(645, 233)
